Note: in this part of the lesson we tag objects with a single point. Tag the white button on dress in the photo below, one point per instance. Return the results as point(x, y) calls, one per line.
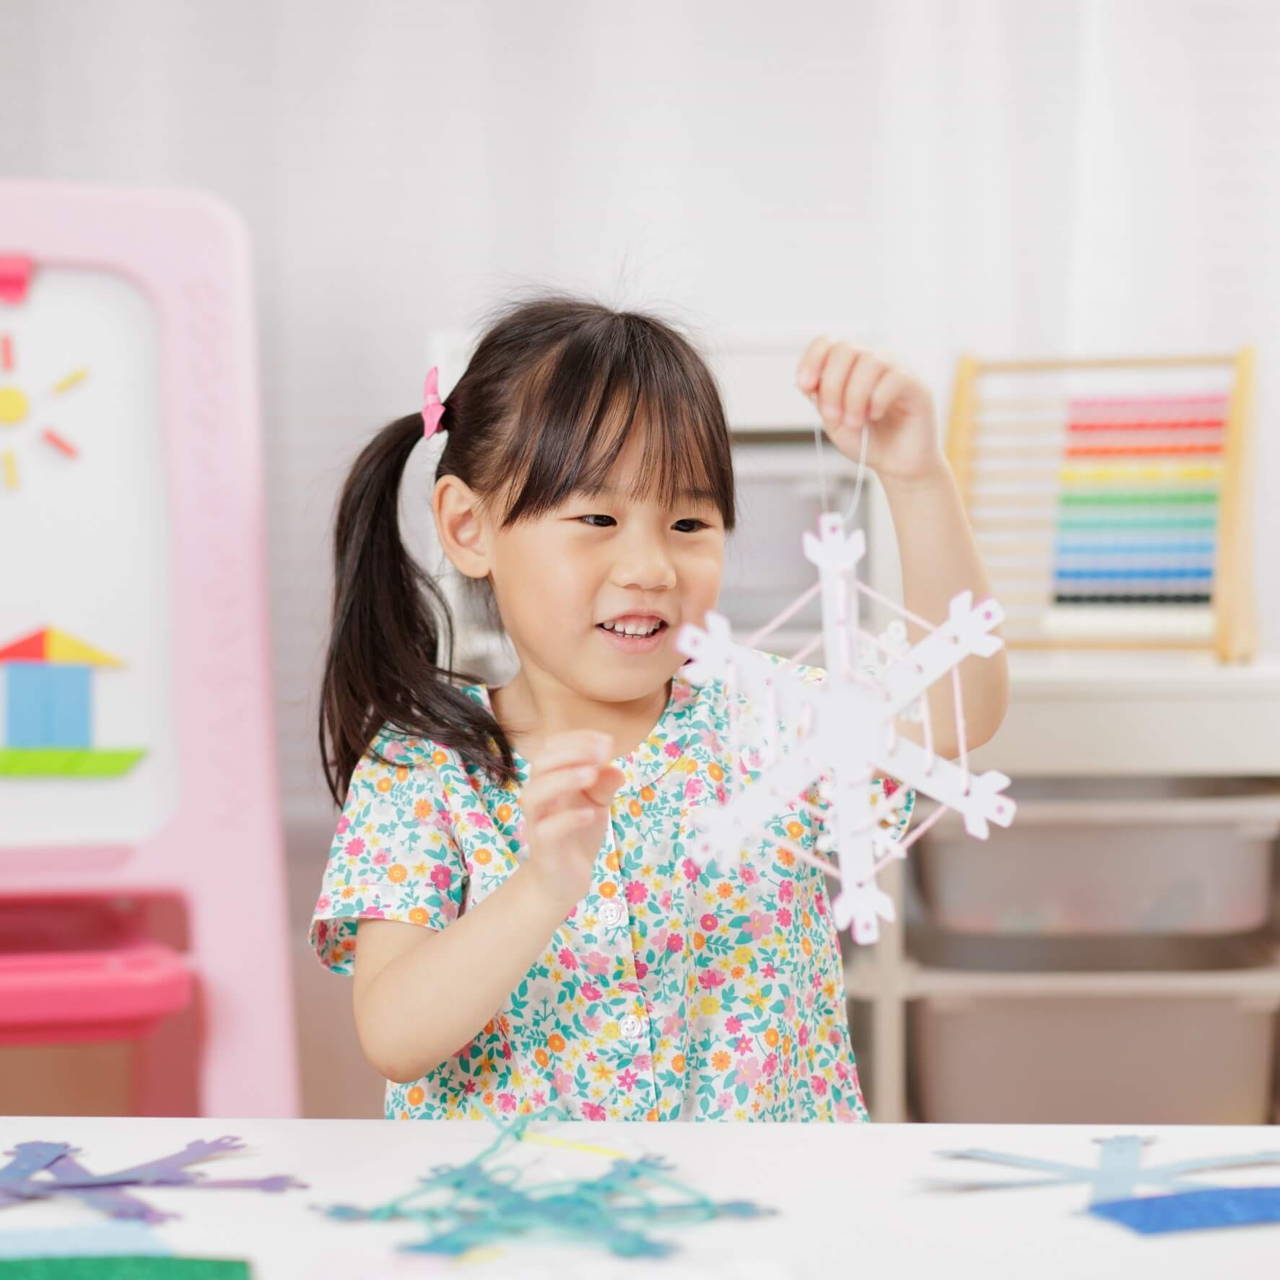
point(632, 1027)
point(611, 912)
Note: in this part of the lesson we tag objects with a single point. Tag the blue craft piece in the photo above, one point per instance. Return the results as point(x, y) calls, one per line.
point(475, 1205)
point(48, 705)
point(39, 1170)
point(1194, 1210)
point(102, 1240)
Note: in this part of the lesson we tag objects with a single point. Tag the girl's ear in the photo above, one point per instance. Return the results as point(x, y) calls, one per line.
point(461, 527)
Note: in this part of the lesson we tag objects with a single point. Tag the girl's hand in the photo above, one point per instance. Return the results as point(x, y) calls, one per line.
point(566, 805)
point(855, 390)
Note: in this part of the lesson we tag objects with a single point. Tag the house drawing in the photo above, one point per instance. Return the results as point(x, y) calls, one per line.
point(48, 724)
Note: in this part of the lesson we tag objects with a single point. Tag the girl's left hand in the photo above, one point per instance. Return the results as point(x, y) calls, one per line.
point(855, 390)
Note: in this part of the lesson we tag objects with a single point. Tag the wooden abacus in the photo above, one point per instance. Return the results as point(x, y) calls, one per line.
point(1109, 498)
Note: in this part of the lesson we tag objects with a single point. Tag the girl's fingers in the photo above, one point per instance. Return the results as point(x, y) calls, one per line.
point(835, 371)
point(857, 393)
point(810, 365)
point(572, 770)
point(560, 825)
point(574, 747)
point(594, 784)
point(890, 386)
point(608, 780)
point(557, 790)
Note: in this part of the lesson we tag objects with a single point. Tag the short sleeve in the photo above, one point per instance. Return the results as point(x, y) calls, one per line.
point(394, 854)
point(883, 786)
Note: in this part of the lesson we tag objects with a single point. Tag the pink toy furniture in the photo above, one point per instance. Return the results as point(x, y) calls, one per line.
point(137, 765)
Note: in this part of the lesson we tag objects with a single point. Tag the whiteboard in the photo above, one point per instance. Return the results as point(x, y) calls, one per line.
point(84, 545)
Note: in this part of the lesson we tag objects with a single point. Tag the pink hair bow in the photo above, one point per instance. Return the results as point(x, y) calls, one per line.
point(432, 406)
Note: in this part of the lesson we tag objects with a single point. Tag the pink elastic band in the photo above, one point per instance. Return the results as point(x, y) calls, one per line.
point(432, 407)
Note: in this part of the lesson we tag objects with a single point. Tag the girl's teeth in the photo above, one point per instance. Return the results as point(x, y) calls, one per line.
point(630, 631)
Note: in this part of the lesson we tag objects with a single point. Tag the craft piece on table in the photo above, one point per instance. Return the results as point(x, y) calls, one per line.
point(131, 1239)
point(1117, 1175)
point(1194, 1210)
point(844, 730)
point(123, 1267)
point(40, 1170)
point(468, 1206)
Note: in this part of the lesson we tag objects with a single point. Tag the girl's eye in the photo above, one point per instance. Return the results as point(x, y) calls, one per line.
point(690, 520)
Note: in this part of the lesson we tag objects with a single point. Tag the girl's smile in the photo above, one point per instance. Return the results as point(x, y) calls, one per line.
point(635, 644)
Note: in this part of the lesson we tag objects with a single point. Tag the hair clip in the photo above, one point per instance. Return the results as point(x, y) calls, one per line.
point(432, 406)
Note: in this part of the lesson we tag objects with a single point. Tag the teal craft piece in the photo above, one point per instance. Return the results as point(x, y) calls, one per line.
point(463, 1207)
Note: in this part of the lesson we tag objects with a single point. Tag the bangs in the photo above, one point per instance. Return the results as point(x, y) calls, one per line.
point(606, 385)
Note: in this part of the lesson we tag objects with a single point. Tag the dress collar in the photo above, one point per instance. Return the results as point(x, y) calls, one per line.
point(656, 755)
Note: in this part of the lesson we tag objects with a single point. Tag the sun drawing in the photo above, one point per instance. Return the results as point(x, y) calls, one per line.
point(18, 414)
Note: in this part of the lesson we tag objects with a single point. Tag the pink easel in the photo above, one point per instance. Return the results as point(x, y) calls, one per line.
point(79, 959)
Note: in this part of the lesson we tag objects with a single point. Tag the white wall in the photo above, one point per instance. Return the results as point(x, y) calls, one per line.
point(1008, 176)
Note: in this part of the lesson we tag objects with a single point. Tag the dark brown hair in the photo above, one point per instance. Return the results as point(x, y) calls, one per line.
point(547, 403)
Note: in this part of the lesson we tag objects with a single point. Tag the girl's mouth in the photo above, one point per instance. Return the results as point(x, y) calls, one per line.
point(633, 644)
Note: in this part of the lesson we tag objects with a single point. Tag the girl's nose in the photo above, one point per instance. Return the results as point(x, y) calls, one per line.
point(645, 563)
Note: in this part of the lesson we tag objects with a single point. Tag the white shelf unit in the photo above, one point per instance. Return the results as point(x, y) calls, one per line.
point(1077, 716)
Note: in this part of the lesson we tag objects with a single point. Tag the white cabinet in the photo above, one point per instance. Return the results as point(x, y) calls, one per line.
point(1171, 740)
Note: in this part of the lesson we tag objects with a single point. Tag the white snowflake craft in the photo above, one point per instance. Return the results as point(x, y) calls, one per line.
point(839, 733)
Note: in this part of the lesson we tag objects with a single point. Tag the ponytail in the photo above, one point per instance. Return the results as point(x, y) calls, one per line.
point(383, 666)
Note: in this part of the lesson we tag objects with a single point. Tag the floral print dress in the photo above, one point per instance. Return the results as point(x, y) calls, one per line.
point(670, 992)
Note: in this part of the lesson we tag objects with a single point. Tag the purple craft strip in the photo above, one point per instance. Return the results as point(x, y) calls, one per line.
point(1194, 1210)
point(170, 1170)
point(277, 1182)
point(109, 1199)
point(31, 1157)
point(67, 1176)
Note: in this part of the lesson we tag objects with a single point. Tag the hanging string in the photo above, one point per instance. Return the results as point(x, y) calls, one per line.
point(862, 472)
point(822, 471)
point(793, 608)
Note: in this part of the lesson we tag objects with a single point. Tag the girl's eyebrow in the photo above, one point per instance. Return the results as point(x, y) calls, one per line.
point(608, 491)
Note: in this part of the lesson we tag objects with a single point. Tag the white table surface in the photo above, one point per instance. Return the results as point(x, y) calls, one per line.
point(850, 1198)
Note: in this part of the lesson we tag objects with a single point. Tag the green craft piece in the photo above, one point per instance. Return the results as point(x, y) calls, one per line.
point(60, 762)
point(123, 1267)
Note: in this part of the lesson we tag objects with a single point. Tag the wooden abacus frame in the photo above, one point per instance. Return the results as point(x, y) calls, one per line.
point(1234, 628)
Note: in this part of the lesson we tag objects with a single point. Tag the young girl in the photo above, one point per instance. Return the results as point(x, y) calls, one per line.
point(508, 883)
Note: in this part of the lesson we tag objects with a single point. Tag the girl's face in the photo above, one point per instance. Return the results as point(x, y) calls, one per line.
point(594, 559)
